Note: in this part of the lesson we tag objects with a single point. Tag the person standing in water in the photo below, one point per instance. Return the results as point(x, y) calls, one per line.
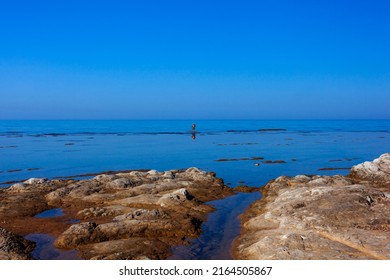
point(193, 131)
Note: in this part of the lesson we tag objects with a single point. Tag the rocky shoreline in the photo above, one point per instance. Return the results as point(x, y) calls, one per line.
point(134, 215)
point(143, 214)
point(321, 217)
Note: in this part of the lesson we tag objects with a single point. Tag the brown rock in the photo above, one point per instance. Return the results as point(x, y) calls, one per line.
point(14, 247)
point(76, 235)
point(246, 189)
point(160, 209)
point(127, 249)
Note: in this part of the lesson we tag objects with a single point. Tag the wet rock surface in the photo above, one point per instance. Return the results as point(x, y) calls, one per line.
point(133, 215)
point(321, 217)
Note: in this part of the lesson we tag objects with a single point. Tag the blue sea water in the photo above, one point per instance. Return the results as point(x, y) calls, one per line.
point(67, 148)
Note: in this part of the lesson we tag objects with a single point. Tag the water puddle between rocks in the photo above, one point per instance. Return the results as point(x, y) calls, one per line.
point(52, 213)
point(45, 249)
point(219, 231)
point(214, 243)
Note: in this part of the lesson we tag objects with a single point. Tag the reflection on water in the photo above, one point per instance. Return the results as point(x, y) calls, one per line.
point(45, 249)
point(219, 231)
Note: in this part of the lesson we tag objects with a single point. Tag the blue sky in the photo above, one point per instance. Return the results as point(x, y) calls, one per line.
point(194, 59)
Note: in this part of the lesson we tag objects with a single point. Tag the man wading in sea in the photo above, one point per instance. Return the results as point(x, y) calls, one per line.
point(193, 131)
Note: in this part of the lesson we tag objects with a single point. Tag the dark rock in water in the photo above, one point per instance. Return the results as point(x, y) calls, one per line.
point(271, 129)
point(33, 169)
point(273, 161)
point(239, 159)
point(14, 247)
point(240, 130)
point(239, 144)
point(14, 170)
point(333, 168)
point(54, 134)
point(321, 217)
point(246, 189)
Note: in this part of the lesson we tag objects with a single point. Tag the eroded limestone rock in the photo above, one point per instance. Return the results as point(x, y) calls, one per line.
point(321, 217)
point(375, 172)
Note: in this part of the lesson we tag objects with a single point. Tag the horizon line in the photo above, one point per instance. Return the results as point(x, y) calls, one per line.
point(210, 119)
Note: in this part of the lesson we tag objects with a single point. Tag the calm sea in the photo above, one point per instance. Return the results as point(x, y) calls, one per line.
point(240, 152)
point(66, 148)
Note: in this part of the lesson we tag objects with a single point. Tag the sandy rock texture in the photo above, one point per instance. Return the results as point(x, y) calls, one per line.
point(321, 217)
point(133, 215)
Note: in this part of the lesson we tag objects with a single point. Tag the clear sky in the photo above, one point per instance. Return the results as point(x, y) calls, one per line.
point(194, 59)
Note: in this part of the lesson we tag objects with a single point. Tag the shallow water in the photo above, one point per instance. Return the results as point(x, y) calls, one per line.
point(45, 250)
point(220, 230)
point(257, 151)
point(52, 213)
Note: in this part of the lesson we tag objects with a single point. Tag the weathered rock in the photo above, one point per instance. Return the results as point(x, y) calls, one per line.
point(19, 187)
point(194, 170)
point(87, 233)
point(142, 214)
point(105, 211)
point(14, 247)
point(76, 235)
point(122, 183)
point(56, 196)
point(321, 217)
point(159, 208)
point(375, 172)
point(126, 249)
point(168, 175)
point(104, 178)
point(176, 197)
point(35, 181)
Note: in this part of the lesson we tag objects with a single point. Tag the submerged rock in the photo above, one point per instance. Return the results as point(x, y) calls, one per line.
point(321, 217)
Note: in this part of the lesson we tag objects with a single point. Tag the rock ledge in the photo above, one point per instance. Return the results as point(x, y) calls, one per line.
point(321, 217)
